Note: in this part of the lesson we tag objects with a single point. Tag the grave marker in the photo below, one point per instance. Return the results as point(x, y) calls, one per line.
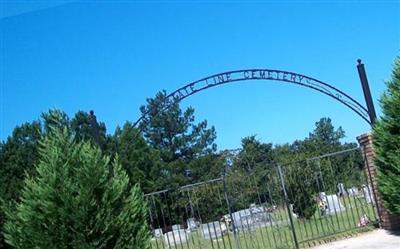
point(334, 205)
point(175, 237)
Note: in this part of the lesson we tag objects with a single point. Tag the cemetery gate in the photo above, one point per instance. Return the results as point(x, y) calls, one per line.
point(285, 205)
point(288, 205)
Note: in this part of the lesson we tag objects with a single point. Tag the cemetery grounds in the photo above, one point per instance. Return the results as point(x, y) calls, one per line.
point(184, 218)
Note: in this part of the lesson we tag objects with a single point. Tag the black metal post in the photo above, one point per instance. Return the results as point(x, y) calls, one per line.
point(296, 243)
point(367, 91)
point(235, 235)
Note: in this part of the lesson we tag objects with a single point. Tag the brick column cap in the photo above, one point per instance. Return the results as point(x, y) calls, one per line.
point(364, 138)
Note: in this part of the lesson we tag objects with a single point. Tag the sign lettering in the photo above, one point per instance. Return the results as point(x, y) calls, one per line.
point(267, 74)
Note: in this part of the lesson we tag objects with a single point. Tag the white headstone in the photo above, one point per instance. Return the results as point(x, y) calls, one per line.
point(341, 189)
point(334, 205)
point(158, 232)
point(175, 237)
point(367, 195)
point(213, 230)
point(260, 215)
point(251, 218)
point(191, 224)
point(242, 219)
point(176, 227)
point(353, 191)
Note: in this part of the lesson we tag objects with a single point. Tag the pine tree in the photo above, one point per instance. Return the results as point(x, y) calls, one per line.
point(78, 199)
point(139, 160)
point(178, 139)
point(387, 143)
point(17, 158)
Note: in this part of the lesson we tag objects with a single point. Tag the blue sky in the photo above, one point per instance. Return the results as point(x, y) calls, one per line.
point(111, 56)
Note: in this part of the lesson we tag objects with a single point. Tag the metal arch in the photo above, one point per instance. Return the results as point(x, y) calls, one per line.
point(264, 74)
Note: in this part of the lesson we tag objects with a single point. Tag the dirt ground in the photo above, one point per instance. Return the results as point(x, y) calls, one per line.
point(377, 239)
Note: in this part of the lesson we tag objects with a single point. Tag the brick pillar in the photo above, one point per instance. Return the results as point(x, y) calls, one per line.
point(387, 220)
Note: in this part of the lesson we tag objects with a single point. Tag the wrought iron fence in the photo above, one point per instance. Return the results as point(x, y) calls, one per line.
point(289, 205)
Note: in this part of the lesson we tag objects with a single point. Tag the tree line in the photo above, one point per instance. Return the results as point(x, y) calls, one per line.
point(67, 183)
point(170, 149)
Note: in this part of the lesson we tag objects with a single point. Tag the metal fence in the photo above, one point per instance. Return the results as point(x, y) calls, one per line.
point(290, 205)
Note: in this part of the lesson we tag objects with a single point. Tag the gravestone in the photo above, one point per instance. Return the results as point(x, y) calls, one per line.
point(334, 205)
point(341, 189)
point(251, 218)
point(213, 230)
point(175, 237)
point(176, 227)
point(353, 191)
point(242, 219)
point(158, 232)
point(367, 195)
point(191, 224)
point(260, 215)
point(294, 215)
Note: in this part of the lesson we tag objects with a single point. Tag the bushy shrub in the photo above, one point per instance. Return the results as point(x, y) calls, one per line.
point(301, 191)
point(387, 143)
point(78, 199)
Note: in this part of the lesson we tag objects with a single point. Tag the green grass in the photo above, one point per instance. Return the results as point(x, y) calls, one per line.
point(309, 232)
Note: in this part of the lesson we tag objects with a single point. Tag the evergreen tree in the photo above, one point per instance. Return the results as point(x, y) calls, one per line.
point(304, 179)
point(301, 187)
point(17, 158)
point(86, 128)
point(140, 161)
point(255, 164)
point(49, 122)
point(78, 199)
point(254, 154)
point(323, 139)
point(178, 139)
point(387, 143)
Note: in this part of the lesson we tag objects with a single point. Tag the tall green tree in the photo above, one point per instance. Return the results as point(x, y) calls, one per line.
point(174, 134)
point(300, 181)
point(305, 178)
point(47, 120)
point(206, 167)
point(387, 143)
point(86, 128)
point(326, 134)
point(323, 139)
point(140, 161)
point(17, 158)
point(254, 154)
point(299, 177)
point(253, 166)
point(78, 199)
point(19, 153)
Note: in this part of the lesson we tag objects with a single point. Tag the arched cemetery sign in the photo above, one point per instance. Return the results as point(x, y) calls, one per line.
point(275, 75)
